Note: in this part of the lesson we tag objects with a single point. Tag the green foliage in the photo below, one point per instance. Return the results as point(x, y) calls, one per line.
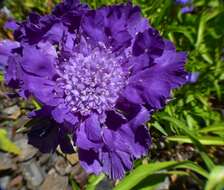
point(1, 77)
point(94, 181)
point(19, 9)
point(146, 170)
point(6, 145)
point(216, 179)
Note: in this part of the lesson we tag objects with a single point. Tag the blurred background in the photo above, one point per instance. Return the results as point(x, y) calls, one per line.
point(188, 135)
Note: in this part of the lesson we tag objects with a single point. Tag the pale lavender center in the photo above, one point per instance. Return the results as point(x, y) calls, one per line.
point(92, 82)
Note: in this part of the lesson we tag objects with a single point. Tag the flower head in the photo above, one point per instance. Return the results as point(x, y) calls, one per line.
point(99, 75)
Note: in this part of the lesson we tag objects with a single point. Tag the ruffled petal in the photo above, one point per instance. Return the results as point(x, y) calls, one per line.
point(37, 62)
point(93, 128)
point(62, 114)
point(114, 120)
point(114, 25)
point(136, 22)
point(112, 165)
point(153, 85)
point(34, 28)
point(89, 134)
point(6, 47)
point(171, 66)
point(89, 160)
point(148, 42)
point(46, 95)
point(116, 157)
point(136, 134)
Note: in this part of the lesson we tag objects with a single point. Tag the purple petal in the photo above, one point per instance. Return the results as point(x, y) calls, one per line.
point(192, 77)
point(92, 128)
point(38, 63)
point(89, 160)
point(62, 114)
point(85, 139)
point(148, 42)
point(186, 10)
point(114, 120)
point(112, 165)
point(11, 25)
point(136, 22)
point(6, 47)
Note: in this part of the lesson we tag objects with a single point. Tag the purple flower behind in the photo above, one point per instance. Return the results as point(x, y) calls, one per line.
point(186, 6)
point(192, 77)
point(183, 1)
point(187, 9)
point(99, 75)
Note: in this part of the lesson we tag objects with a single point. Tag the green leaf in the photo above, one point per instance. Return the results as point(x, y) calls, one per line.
point(94, 181)
point(191, 134)
point(6, 145)
point(143, 171)
point(153, 181)
point(212, 129)
point(36, 104)
point(216, 179)
point(73, 183)
point(186, 31)
point(205, 140)
point(1, 77)
point(157, 126)
point(205, 17)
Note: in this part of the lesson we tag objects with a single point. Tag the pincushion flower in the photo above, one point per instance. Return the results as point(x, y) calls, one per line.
point(99, 75)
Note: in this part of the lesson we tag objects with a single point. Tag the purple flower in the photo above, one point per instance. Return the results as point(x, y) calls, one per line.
point(186, 6)
point(187, 9)
point(99, 75)
point(183, 1)
point(192, 77)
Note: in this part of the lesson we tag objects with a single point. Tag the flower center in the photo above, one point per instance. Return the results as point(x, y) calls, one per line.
point(92, 82)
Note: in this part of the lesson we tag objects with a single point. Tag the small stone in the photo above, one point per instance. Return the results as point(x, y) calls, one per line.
point(13, 112)
point(44, 158)
point(105, 184)
point(53, 181)
point(62, 167)
point(72, 158)
point(5, 162)
point(27, 151)
point(82, 178)
point(4, 181)
point(32, 174)
point(16, 182)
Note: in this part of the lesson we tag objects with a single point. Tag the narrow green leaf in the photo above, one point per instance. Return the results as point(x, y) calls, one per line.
point(36, 104)
point(212, 129)
point(209, 163)
point(143, 171)
point(186, 31)
point(153, 181)
point(6, 145)
point(216, 179)
point(205, 140)
point(1, 77)
point(205, 17)
point(94, 181)
point(157, 126)
point(73, 183)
